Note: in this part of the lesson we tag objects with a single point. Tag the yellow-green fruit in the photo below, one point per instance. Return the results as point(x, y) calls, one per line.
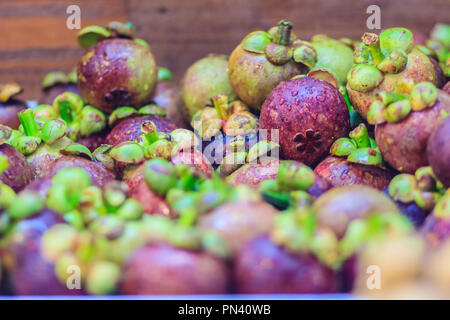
point(204, 79)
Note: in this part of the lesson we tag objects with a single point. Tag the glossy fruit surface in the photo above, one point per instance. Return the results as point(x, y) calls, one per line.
point(115, 73)
point(309, 115)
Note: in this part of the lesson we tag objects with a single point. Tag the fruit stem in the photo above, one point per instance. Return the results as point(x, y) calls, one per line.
point(284, 32)
point(65, 110)
point(372, 43)
point(220, 103)
point(29, 124)
point(150, 133)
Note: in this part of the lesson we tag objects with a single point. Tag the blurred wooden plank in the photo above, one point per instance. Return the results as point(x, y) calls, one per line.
point(34, 38)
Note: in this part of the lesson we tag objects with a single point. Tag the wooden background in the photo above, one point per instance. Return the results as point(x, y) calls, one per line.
point(34, 39)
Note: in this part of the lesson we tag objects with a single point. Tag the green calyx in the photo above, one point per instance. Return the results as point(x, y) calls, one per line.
point(58, 78)
point(442, 208)
point(423, 95)
point(256, 41)
point(421, 188)
point(120, 114)
point(394, 107)
point(26, 204)
point(276, 44)
point(103, 278)
point(128, 152)
point(91, 35)
point(358, 148)
point(233, 119)
point(387, 53)
point(364, 77)
point(53, 130)
point(295, 176)
point(164, 74)
point(305, 53)
point(9, 90)
point(76, 149)
point(160, 175)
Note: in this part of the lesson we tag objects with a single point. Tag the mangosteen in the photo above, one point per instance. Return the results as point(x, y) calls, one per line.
point(9, 105)
point(44, 140)
point(129, 129)
point(333, 56)
point(262, 266)
point(167, 95)
point(437, 225)
point(415, 195)
point(18, 173)
point(56, 83)
point(229, 135)
point(150, 201)
point(99, 175)
point(384, 63)
point(94, 140)
point(338, 207)
point(204, 79)
point(253, 175)
point(117, 69)
point(182, 258)
point(194, 159)
point(404, 123)
point(355, 160)
point(239, 222)
point(438, 152)
point(314, 106)
point(173, 271)
point(28, 271)
point(264, 59)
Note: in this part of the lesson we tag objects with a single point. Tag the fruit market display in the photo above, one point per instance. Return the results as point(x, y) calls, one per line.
point(292, 166)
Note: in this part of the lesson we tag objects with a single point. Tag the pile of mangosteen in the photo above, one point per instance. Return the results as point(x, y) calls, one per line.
point(290, 166)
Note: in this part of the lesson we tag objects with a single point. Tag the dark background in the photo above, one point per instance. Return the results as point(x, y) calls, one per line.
point(34, 39)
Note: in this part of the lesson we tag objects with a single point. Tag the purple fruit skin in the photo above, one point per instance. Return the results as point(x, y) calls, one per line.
point(30, 273)
point(438, 152)
point(263, 267)
point(310, 115)
point(19, 173)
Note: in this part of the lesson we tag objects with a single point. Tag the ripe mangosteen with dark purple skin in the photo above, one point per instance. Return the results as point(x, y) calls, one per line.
point(17, 172)
point(415, 195)
point(437, 225)
point(117, 69)
point(27, 271)
point(184, 260)
point(355, 160)
point(284, 261)
point(264, 59)
point(309, 115)
point(9, 105)
point(382, 63)
point(56, 83)
point(45, 140)
point(338, 207)
point(404, 123)
point(239, 222)
point(126, 123)
point(253, 175)
point(167, 96)
point(438, 152)
point(204, 79)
